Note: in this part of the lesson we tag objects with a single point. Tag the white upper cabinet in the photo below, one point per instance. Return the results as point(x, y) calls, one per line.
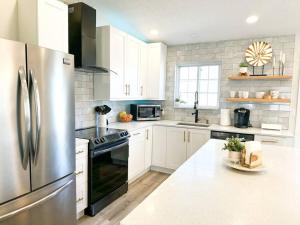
point(110, 55)
point(157, 54)
point(132, 64)
point(143, 85)
point(44, 23)
point(138, 70)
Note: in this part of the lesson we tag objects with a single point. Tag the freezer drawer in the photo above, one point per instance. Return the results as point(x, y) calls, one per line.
point(54, 204)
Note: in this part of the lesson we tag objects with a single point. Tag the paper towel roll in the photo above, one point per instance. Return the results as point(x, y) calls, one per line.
point(225, 117)
point(102, 121)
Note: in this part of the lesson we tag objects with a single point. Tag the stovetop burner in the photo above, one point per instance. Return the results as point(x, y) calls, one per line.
point(101, 136)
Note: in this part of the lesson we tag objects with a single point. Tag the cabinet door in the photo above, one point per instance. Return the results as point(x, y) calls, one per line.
point(159, 146)
point(136, 154)
point(117, 60)
point(143, 84)
point(195, 139)
point(148, 147)
point(53, 25)
point(176, 147)
point(280, 141)
point(156, 70)
point(132, 54)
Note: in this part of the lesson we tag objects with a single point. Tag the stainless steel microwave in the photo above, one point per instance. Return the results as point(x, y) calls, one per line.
point(145, 112)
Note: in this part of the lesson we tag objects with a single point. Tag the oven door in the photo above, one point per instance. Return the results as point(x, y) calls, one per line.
point(108, 170)
point(148, 112)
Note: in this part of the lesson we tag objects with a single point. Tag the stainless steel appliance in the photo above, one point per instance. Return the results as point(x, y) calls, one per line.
point(224, 135)
point(241, 118)
point(37, 138)
point(108, 166)
point(145, 112)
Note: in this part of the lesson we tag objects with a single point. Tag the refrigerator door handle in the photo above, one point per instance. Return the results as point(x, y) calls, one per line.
point(36, 203)
point(26, 105)
point(37, 115)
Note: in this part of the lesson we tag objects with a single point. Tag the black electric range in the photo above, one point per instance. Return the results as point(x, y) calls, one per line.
point(107, 166)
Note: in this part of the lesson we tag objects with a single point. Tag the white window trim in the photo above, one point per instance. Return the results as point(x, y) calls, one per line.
point(176, 87)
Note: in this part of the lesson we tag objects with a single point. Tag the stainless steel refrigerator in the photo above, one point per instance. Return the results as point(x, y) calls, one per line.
point(37, 139)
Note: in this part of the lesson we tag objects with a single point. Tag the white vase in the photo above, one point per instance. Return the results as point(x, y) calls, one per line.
point(234, 156)
point(243, 71)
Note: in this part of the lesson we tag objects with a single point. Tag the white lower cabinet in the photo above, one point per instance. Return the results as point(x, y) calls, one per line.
point(173, 145)
point(195, 139)
point(176, 147)
point(270, 140)
point(148, 148)
point(159, 146)
point(136, 161)
point(81, 175)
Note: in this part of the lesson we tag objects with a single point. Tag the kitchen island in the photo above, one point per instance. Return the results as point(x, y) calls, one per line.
point(203, 191)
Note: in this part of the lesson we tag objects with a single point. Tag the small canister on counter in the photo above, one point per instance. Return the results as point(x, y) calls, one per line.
point(225, 117)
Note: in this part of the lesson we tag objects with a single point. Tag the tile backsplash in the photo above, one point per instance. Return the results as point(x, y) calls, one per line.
point(85, 103)
point(230, 54)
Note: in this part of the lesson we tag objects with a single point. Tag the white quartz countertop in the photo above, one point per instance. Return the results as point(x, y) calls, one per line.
point(203, 191)
point(132, 126)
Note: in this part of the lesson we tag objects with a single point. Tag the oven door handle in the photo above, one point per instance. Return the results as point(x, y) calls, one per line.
point(97, 153)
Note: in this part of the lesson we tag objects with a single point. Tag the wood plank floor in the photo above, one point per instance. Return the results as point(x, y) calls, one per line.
point(119, 209)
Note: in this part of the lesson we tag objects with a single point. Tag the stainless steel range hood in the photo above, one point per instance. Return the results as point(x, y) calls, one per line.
point(82, 37)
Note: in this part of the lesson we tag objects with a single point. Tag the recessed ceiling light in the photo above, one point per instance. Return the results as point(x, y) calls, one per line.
point(154, 32)
point(252, 19)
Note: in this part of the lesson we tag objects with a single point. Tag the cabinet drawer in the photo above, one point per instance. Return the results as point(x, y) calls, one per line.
point(281, 141)
point(136, 135)
point(81, 197)
point(81, 151)
point(81, 170)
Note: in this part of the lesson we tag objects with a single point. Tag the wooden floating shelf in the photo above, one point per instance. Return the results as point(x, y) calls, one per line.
point(268, 77)
point(259, 100)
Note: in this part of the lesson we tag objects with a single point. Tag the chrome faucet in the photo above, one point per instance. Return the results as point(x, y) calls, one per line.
point(196, 113)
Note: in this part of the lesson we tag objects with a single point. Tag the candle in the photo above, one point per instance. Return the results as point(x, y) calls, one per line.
point(283, 59)
point(274, 61)
point(280, 58)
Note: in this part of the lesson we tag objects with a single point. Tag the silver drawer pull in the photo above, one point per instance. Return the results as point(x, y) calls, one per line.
point(136, 134)
point(78, 173)
point(79, 200)
point(270, 141)
point(77, 153)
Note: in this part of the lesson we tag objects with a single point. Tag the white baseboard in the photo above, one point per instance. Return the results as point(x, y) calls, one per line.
point(162, 169)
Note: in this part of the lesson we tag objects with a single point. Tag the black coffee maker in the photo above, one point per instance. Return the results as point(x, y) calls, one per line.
point(241, 118)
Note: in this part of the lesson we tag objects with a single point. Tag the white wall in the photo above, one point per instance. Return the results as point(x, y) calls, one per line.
point(9, 19)
point(297, 70)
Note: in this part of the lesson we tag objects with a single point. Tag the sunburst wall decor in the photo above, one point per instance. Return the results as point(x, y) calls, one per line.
point(259, 53)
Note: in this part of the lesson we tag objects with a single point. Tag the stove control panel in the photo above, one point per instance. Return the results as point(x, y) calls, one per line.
point(110, 138)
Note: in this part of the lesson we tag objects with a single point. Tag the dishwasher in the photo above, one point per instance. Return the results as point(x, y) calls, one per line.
point(224, 135)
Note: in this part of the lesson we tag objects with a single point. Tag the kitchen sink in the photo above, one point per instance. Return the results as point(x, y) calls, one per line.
point(194, 124)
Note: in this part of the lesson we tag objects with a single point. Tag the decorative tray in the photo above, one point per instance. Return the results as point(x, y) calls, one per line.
point(238, 166)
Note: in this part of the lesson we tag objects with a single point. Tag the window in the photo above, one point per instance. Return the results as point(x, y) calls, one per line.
point(204, 79)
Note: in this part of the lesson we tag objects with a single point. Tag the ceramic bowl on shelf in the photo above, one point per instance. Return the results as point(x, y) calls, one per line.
point(260, 94)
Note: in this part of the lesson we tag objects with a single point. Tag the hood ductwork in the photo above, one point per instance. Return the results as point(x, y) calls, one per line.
point(82, 37)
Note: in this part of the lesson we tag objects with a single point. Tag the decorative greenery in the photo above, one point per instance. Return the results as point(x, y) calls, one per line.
point(180, 101)
point(243, 64)
point(234, 144)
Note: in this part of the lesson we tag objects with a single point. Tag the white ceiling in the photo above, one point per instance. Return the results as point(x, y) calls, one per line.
point(192, 21)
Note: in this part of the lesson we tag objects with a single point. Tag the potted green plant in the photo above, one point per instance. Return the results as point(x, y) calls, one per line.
point(234, 147)
point(243, 69)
